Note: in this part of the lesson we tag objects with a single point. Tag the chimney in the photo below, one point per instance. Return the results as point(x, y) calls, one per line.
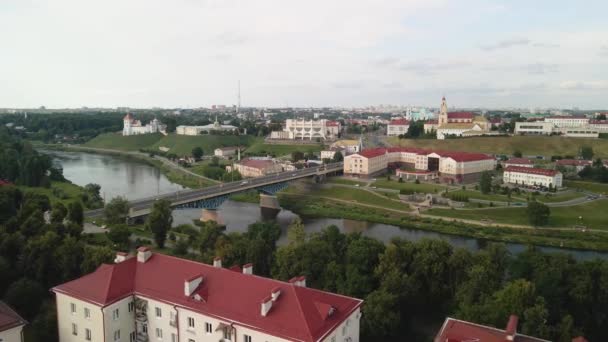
point(298, 281)
point(275, 293)
point(217, 262)
point(192, 284)
point(120, 257)
point(266, 305)
point(248, 268)
point(143, 254)
point(511, 328)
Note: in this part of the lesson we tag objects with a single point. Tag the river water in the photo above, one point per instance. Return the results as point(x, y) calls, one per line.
point(132, 179)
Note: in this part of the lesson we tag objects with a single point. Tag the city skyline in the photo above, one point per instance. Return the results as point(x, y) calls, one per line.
point(340, 54)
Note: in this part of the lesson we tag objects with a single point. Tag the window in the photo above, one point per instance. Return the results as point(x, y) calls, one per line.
point(208, 328)
point(159, 313)
point(333, 339)
point(190, 322)
point(117, 335)
point(131, 306)
point(159, 333)
point(228, 333)
point(115, 314)
point(173, 338)
point(191, 340)
point(344, 331)
point(87, 313)
point(132, 337)
point(87, 334)
point(73, 308)
point(74, 329)
point(246, 338)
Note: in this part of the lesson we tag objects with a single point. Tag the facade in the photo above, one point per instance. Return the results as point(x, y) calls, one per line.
point(308, 130)
point(225, 152)
point(534, 128)
point(579, 132)
point(397, 127)
point(431, 126)
point(349, 146)
point(529, 176)
point(455, 330)
point(569, 126)
point(256, 167)
point(197, 130)
point(134, 127)
point(519, 162)
point(447, 166)
point(11, 324)
point(568, 121)
point(155, 297)
point(599, 125)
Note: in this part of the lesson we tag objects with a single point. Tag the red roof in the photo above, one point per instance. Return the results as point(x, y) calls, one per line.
point(531, 170)
point(9, 318)
point(128, 117)
point(400, 122)
point(372, 152)
point(332, 123)
point(464, 156)
point(233, 297)
point(573, 162)
point(454, 330)
point(257, 163)
point(432, 122)
point(521, 161)
point(457, 156)
point(598, 122)
point(4, 182)
point(460, 115)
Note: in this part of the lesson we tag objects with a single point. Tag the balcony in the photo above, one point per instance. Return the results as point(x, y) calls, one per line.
point(141, 337)
point(141, 310)
point(173, 323)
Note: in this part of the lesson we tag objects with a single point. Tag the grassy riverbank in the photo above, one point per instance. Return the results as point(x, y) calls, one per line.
point(59, 192)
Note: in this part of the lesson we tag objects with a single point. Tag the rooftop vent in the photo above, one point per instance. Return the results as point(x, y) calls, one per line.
point(217, 262)
point(143, 254)
point(248, 268)
point(275, 293)
point(120, 257)
point(511, 329)
point(190, 285)
point(266, 305)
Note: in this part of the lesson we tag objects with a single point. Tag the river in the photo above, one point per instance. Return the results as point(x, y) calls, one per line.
point(132, 179)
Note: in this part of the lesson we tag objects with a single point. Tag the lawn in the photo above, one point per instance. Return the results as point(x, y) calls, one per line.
point(360, 196)
point(560, 197)
point(589, 186)
point(528, 145)
point(487, 197)
point(422, 187)
point(259, 148)
point(63, 192)
point(183, 144)
point(593, 215)
point(116, 141)
point(345, 181)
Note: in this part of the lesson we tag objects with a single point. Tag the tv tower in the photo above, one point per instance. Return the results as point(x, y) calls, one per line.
point(238, 106)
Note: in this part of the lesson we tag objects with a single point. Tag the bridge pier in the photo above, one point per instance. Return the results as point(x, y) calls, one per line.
point(210, 215)
point(269, 206)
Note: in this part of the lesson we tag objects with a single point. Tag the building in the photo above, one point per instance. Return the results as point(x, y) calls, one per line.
point(308, 130)
point(447, 166)
point(206, 129)
point(599, 125)
point(156, 297)
point(568, 121)
point(11, 324)
point(397, 127)
point(529, 176)
point(455, 330)
point(349, 146)
point(431, 126)
point(256, 167)
point(134, 127)
point(534, 128)
point(576, 164)
point(519, 162)
point(569, 126)
point(225, 152)
point(579, 132)
point(460, 124)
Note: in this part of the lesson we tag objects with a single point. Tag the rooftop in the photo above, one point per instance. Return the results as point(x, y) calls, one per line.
point(573, 162)
point(531, 170)
point(400, 122)
point(454, 330)
point(257, 163)
point(299, 313)
point(460, 115)
point(522, 161)
point(9, 318)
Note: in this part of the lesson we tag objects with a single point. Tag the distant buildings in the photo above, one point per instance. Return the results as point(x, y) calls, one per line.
point(455, 330)
point(134, 127)
point(460, 124)
point(253, 167)
point(156, 297)
point(530, 176)
point(11, 324)
point(346, 147)
point(197, 130)
point(576, 164)
point(308, 130)
point(569, 126)
point(225, 152)
point(397, 127)
point(519, 162)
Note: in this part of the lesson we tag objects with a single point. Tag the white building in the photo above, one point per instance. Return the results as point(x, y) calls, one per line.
point(579, 132)
point(225, 152)
point(530, 176)
point(519, 162)
point(534, 127)
point(11, 324)
point(599, 125)
point(308, 130)
point(568, 121)
point(197, 130)
point(460, 124)
point(397, 127)
point(134, 127)
point(155, 297)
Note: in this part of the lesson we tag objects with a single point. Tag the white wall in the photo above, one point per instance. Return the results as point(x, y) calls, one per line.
point(11, 335)
point(65, 318)
point(125, 323)
point(348, 329)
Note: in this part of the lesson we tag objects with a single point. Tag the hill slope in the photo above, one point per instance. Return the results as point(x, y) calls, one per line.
point(116, 141)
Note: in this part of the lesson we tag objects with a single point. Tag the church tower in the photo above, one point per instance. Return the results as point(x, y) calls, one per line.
point(443, 112)
point(127, 120)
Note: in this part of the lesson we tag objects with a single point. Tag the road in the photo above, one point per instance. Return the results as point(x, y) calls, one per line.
point(186, 196)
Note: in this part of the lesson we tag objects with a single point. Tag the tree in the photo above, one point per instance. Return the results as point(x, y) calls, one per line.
point(59, 213)
point(538, 214)
point(197, 153)
point(338, 157)
point(295, 232)
point(587, 152)
point(25, 296)
point(517, 154)
point(95, 256)
point(159, 221)
point(382, 316)
point(76, 213)
point(485, 183)
point(119, 235)
point(116, 210)
point(297, 156)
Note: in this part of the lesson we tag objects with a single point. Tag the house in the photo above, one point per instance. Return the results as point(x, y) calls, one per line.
point(216, 126)
point(256, 167)
point(455, 330)
point(530, 176)
point(397, 127)
point(431, 126)
point(308, 130)
point(534, 128)
point(11, 324)
point(577, 164)
point(225, 152)
point(519, 162)
point(460, 124)
point(153, 297)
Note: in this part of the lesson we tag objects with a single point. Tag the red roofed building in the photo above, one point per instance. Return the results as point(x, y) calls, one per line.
point(454, 330)
point(397, 127)
point(4, 182)
point(520, 162)
point(577, 164)
point(256, 167)
point(529, 176)
point(11, 324)
point(158, 297)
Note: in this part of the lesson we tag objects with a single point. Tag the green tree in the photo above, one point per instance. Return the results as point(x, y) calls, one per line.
point(382, 316)
point(517, 154)
point(116, 210)
point(95, 256)
point(159, 221)
point(295, 232)
point(485, 182)
point(119, 235)
point(587, 152)
point(297, 156)
point(338, 157)
point(59, 213)
point(538, 214)
point(197, 153)
point(25, 296)
point(76, 213)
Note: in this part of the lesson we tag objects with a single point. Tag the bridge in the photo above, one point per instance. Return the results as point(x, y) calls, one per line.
point(209, 199)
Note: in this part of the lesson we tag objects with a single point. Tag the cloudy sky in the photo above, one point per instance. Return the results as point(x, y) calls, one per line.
point(191, 53)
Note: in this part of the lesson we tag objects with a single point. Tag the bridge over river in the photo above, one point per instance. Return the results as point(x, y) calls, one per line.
point(210, 198)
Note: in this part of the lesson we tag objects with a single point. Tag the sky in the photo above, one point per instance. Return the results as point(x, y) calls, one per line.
point(349, 53)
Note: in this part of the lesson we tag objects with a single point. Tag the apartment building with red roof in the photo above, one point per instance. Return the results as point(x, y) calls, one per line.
point(153, 296)
point(251, 168)
point(578, 164)
point(520, 162)
point(11, 324)
point(397, 127)
point(530, 176)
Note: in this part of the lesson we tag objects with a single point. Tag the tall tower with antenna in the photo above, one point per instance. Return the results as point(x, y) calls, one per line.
point(238, 106)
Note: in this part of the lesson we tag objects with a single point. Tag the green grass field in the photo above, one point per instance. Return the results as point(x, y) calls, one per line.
point(486, 197)
point(183, 144)
point(560, 197)
point(528, 145)
point(422, 187)
point(345, 181)
point(592, 213)
point(64, 193)
point(115, 141)
point(589, 186)
point(280, 150)
point(360, 196)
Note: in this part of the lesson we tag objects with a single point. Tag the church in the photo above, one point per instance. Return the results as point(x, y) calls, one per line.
point(459, 124)
point(134, 127)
